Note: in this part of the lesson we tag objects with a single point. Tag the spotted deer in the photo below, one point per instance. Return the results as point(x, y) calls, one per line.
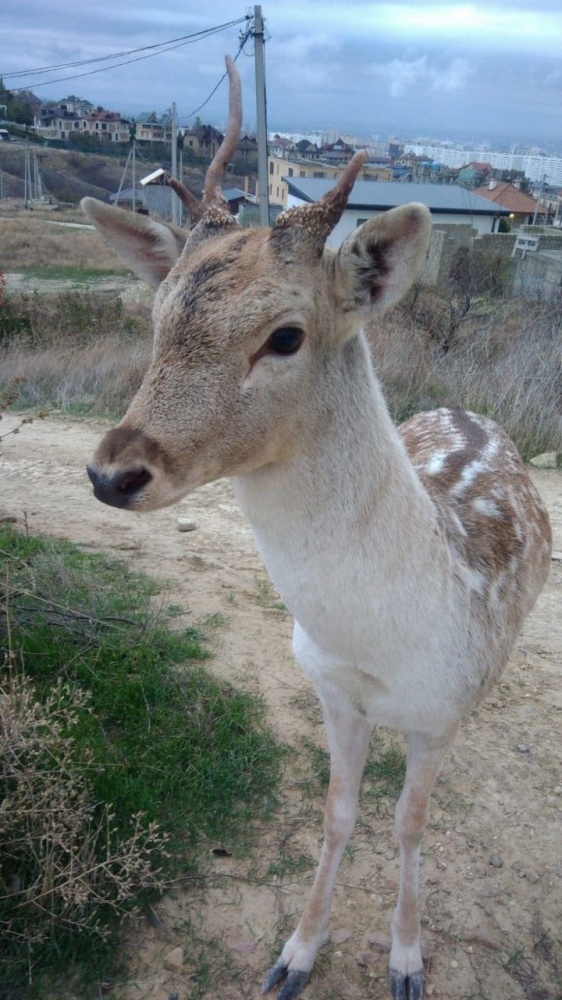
point(409, 557)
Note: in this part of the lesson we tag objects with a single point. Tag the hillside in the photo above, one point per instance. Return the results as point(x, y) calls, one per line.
point(70, 176)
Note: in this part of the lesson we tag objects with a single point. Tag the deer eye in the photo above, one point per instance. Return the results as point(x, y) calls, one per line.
point(285, 341)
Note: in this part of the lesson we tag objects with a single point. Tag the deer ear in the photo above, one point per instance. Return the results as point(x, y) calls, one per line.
point(377, 264)
point(149, 248)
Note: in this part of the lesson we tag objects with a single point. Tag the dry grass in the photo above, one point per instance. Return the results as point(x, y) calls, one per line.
point(85, 352)
point(504, 361)
point(41, 241)
point(61, 859)
point(77, 351)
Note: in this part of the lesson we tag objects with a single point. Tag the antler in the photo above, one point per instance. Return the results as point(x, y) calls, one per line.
point(319, 218)
point(213, 203)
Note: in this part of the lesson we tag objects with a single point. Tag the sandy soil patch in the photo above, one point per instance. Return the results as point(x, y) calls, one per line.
point(492, 858)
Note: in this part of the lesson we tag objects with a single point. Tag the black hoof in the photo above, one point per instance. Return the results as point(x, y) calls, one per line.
point(294, 984)
point(274, 976)
point(406, 987)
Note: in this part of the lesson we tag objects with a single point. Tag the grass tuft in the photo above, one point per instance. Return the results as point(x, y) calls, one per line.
point(137, 754)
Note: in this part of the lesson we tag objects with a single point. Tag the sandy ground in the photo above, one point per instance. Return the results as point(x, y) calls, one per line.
point(492, 856)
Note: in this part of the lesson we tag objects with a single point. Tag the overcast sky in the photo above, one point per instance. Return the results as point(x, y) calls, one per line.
point(487, 71)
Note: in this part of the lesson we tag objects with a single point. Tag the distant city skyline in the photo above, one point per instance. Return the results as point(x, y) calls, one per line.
point(475, 72)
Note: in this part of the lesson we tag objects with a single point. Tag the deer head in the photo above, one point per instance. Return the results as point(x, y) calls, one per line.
point(245, 320)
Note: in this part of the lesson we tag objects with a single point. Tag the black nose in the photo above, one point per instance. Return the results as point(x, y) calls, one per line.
point(120, 489)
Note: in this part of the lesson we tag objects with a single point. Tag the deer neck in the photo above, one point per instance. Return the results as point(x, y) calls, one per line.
point(348, 500)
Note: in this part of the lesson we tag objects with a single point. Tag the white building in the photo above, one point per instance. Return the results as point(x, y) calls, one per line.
point(448, 203)
point(535, 167)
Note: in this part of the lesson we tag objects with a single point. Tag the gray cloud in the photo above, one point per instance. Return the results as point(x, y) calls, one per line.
point(402, 65)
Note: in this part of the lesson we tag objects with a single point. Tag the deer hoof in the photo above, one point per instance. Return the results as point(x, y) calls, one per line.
point(406, 987)
point(294, 984)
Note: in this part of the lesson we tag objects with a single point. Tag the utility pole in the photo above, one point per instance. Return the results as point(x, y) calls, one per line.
point(261, 117)
point(539, 199)
point(174, 171)
point(134, 176)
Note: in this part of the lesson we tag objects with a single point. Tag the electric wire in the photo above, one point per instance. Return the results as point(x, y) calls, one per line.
point(243, 39)
point(162, 48)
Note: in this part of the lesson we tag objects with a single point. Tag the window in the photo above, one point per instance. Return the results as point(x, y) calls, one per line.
point(271, 167)
point(290, 171)
point(302, 173)
point(318, 173)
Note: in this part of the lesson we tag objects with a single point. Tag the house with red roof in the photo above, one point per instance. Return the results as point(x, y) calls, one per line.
point(520, 205)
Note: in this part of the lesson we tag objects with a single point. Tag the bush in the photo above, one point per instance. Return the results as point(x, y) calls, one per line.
point(503, 361)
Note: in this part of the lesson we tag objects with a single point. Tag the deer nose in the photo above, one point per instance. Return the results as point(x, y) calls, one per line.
point(121, 488)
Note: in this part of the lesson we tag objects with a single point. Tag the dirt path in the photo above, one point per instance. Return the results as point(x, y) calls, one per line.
point(492, 857)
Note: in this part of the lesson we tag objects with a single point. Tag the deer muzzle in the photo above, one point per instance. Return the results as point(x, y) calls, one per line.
point(121, 488)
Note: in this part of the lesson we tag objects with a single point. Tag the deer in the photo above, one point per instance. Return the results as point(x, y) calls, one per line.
point(408, 556)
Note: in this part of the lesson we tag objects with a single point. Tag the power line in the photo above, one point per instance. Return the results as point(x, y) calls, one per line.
point(162, 47)
point(244, 36)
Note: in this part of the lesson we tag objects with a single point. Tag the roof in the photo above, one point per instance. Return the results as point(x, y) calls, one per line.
point(231, 194)
point(373, 195)
point(126, 194)
point(151, 118)
point(508, 196)
point(480, 167)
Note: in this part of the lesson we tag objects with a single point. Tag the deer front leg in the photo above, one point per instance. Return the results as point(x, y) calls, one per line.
point(425, 757)
point(348, 738)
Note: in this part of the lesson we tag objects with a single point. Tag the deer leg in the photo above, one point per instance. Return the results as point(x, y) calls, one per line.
point(425, 757)
point(348, 738)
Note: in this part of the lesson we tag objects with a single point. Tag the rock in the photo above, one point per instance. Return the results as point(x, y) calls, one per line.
point(486, 940)
point(495, 862)
point(380, 941)
point(173, 961)
point(548, 460)
point(184, 524)
point(523, 748)
point(556, 557)
point(341, 935)
point(530, 874)
point(244, 947)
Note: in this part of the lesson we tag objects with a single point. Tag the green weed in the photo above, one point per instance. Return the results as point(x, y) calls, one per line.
point(153, 735)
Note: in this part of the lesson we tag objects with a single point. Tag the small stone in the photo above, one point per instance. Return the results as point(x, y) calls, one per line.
point(365, 959)
point(495, 862)
point(558, 790)
point(530, 874)
point(454, 964)
point(244, 948)
point(548, 460)
point(523, 748)
point(556, 556)
point(486, 940)
point(380, 941)
point(430, 990)
point(341, 935)
point(184, 524)
point(173, 961)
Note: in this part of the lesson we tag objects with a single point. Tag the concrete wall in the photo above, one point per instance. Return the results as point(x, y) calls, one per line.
point(539, 276)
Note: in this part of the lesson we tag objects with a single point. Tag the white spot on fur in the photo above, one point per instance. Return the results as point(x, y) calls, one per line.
point(468, 475)
point(482, 505)
point(436, 463)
